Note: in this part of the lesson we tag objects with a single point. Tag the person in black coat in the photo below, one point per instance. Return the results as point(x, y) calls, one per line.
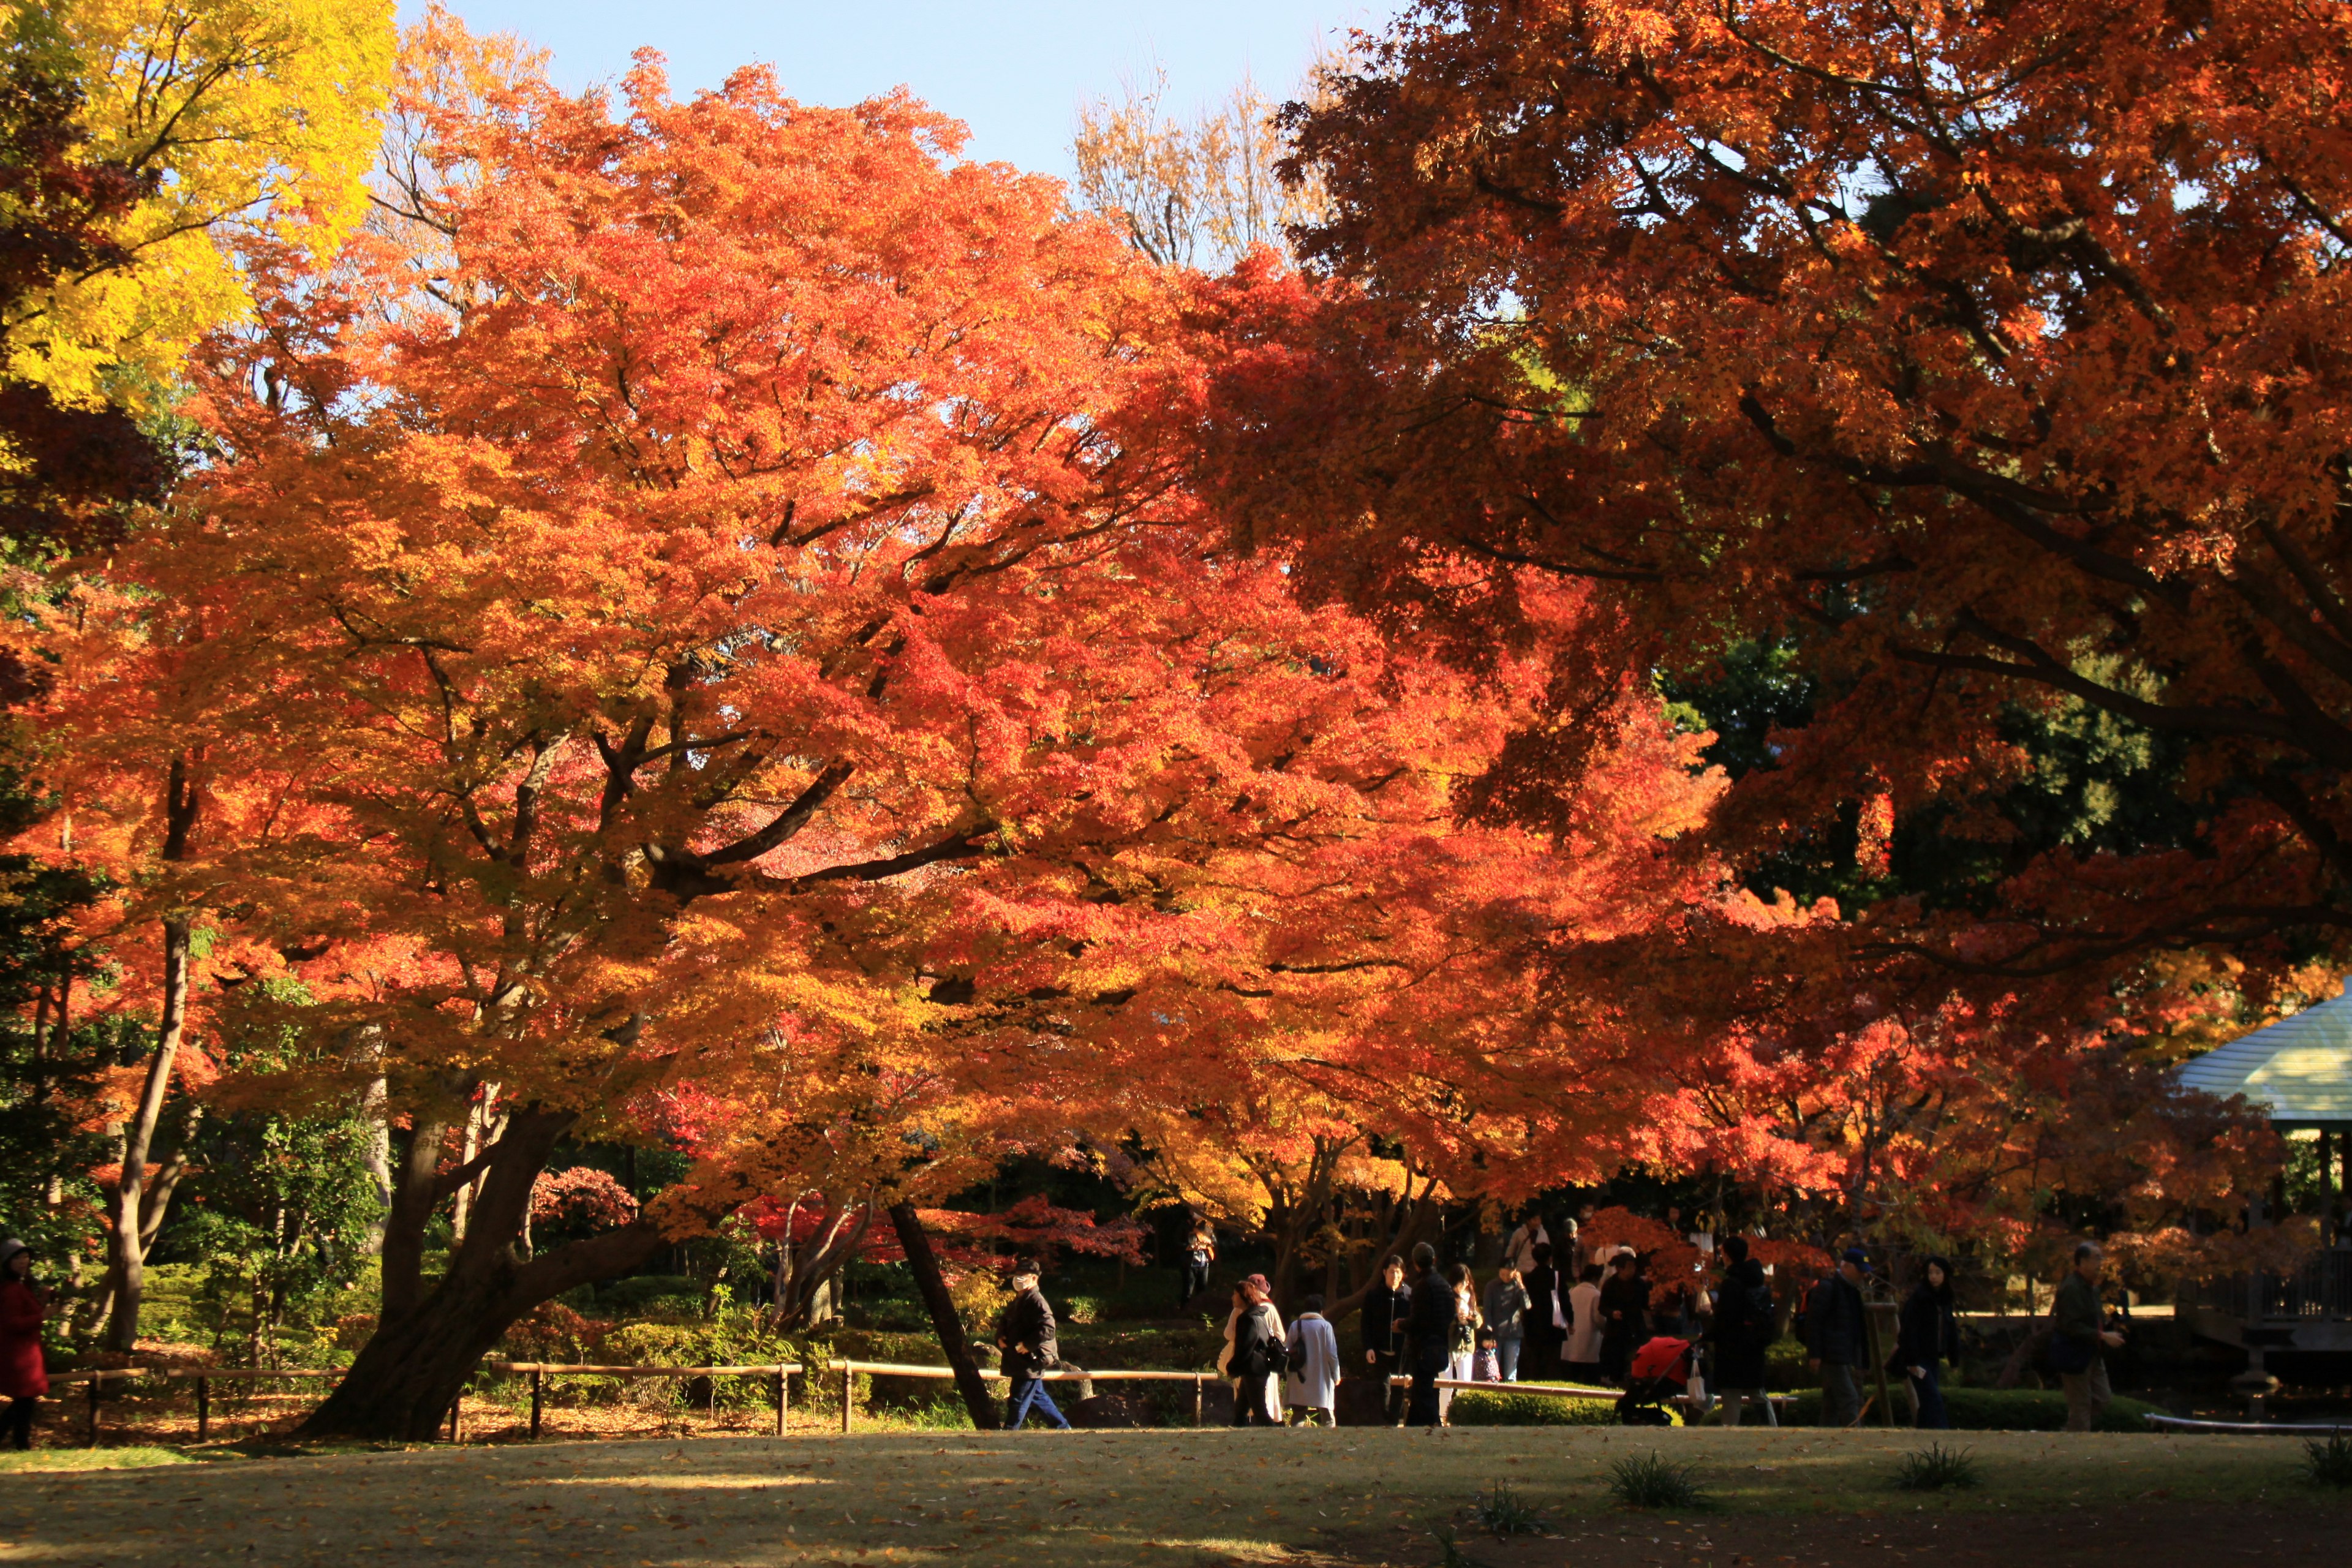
point(1540, 1358)
point(1025, 1340)
point(1836, 1335)
point(1625, 1316)
point(1429, 1333)
point(1738, 1332)
point(1925, 1336)
point(1381, 1326)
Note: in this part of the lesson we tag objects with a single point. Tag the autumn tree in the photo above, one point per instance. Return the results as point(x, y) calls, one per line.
point(1987, 347)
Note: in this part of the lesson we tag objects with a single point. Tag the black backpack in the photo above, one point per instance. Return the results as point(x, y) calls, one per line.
point(1763, 1314)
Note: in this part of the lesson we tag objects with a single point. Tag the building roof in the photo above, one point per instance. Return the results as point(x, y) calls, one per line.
point(2300, 1068)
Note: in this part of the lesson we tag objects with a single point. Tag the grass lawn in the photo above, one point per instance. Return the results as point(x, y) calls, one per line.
point(1354, 1496)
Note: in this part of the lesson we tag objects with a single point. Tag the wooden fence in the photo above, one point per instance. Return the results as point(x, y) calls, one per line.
point(541, 1371)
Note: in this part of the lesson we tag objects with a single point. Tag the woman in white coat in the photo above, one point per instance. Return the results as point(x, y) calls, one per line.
point(1311, 1385)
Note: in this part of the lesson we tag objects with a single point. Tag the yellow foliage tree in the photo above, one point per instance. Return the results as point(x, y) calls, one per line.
point(249, 122)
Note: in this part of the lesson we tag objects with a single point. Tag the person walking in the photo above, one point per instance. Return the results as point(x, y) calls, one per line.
point(1837, 1337)
point(1625, 1316)
point(1927, 1336)
point(1520, 1246)
point(24, 1373)
point(1026, 1344)
point(1743, 1325)
point(1380, 1328)
point(1199, 1255)
point(1540, 1346)
point(1462, 1343)
point(1258, 1355)
point(2079, 1348)
point(1311, 1384)
point(1429, 1336)
point(1508, 1303)
point(1581, 1357)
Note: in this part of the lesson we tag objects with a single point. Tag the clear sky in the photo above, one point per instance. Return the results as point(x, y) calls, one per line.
point(1014, 70)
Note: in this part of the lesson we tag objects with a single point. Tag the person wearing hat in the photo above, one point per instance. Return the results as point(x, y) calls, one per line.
point(24, 1376)
point(1838, 1338)
point(1025, 1337)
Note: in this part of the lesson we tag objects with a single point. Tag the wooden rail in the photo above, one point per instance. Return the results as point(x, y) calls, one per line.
point(850, 1369)
point(96, 1377)
point(541, 1371)
point(205, 1376)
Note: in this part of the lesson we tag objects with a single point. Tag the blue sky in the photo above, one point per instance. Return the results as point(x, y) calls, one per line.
point(1014, 70)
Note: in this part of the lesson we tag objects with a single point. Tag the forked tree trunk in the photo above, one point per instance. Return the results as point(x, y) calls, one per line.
point(405, 1378)
point(944, 1322)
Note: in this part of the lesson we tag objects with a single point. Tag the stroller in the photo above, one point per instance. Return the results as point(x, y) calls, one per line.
point(1661, 1371)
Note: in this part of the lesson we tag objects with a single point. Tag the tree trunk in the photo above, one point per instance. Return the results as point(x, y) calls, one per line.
point(416, 1194)
point(127, 1255)
point(944, 1322)
point(405, 1379)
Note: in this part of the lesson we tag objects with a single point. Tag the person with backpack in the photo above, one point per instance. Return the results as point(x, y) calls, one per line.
point(1745, 1322)
point(1026, 1346)
point(1837, 1335)
point(1259, 1355)
point(1925, 1336)
point(2079, 1346)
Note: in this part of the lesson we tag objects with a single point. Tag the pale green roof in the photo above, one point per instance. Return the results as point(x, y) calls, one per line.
point(2300, 1068)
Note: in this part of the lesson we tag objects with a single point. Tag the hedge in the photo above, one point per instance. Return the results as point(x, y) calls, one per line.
point(1477, 1407)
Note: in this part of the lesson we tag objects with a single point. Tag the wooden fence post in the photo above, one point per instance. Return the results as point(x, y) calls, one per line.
point(455, 1406)
point(538, 1384)
point(781, 1392)
point(204, 1407)
point(97, 1381)
point(1196, 1400)
point(848, 1387)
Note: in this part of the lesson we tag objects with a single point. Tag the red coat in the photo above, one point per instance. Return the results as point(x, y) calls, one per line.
point(23, 1374)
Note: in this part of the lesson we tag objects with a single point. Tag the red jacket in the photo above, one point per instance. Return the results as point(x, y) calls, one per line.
point(23, 1374)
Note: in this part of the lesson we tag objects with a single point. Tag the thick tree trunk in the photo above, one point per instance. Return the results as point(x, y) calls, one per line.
point(401, 1384)
point(944, 1322)
point(416, 1194)
point(127, 1250)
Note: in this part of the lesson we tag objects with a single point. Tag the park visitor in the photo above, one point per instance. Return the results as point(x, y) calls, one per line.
point(24, 1376)
point(1837, 1337)
point(1625, 1316)
point(1258, 1354)
point(1508, 1303)
point(1429, 1333)
point(1381, 1326)
point(1200, 1253)
point(1580, 1353)
point(1925, 1336)
point(1462, 1343)
point(1520, 1246)
point(1311, 1384)
point(1539, 1347)
point(2079, 1345)
point(1024, 1340)
point(1742, 1326)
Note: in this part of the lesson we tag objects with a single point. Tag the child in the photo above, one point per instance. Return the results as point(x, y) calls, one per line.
point(1487, 1366)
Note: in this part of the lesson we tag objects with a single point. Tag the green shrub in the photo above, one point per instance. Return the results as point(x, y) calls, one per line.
point(1650, 1480)
point(1505, 1513)
point(1986, 1410)
point(1477, 1407)
point(643, 1295)
point(2329, 1464)
point(1936, 1468)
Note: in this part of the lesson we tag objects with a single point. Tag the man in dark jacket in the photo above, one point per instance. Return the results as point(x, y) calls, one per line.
point(1624, 1311)
point(1429, 1335)
point(1024, 1336)
point(1739, 1330)
point(2081, 1318)
point(1545, 1287)
point(1837, 1337)
point(1381, 1325)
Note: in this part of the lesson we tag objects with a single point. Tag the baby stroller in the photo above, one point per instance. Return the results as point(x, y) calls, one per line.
point(1661, 1371)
